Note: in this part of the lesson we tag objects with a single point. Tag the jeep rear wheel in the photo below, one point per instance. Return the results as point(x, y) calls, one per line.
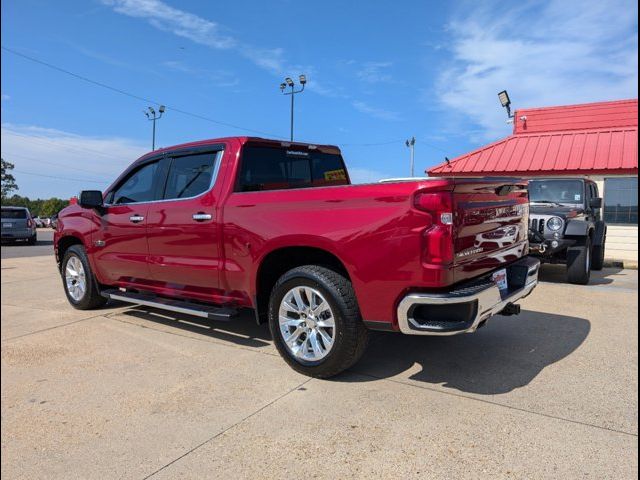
point(579, 263)
point(315, 321)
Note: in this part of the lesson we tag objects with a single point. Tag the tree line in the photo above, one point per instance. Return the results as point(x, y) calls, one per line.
point(38, 208)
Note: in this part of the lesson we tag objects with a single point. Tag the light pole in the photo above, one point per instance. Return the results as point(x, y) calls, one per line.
point(289, 83)
point(410, 143)
point(153, 116)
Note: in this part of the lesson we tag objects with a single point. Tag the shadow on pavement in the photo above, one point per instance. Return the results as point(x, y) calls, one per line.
point(558, 274)
point(242, 330)
point(506, 354)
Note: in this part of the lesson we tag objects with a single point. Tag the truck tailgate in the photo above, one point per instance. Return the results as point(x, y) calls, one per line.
point(490, 224)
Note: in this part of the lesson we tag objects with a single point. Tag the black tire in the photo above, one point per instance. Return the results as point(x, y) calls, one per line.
point(597, 261)
point(579, 263)
point(351, 336)
point(91, 298)
point(32, 240)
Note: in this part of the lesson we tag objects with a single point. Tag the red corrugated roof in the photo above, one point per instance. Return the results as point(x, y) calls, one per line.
point(597, 138)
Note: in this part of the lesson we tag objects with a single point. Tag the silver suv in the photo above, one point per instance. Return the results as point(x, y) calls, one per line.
point(17, 224)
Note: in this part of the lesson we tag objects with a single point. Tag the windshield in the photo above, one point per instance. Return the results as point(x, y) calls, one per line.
point(555, 191)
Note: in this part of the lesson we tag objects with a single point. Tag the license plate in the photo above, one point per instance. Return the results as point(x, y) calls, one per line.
point(500, 279)
point(7, 225)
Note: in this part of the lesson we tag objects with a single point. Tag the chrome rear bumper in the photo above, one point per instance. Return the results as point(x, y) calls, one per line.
point(478, 301)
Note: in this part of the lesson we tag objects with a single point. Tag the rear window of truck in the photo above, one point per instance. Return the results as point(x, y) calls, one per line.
point(266, 168)
point(15, 214)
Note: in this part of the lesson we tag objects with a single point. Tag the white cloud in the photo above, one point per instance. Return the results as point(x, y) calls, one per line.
point(563, 52)
point(79, 161)
point(374, 111)
point(375, 72)
point(365, 175)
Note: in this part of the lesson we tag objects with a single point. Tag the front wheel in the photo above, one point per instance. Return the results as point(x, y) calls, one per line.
point(579, 263)
point(79, 283)
point(315, 321)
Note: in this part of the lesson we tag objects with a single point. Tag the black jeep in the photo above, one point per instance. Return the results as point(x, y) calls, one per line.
point(565, 225)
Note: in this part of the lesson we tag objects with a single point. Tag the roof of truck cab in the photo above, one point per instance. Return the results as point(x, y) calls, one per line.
point(241, 139)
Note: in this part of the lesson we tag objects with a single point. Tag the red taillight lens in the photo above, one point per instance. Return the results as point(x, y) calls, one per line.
point(30, 223)
point(438, 237)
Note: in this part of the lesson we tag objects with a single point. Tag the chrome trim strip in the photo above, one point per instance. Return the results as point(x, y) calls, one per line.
point(162, 306)
point(489, 304)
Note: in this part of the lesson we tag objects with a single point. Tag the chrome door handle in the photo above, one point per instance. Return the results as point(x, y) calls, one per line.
point(201, 217)
point(136, 218)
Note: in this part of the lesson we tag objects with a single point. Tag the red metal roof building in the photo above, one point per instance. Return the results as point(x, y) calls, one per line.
point(598, 140)
point(589, 139)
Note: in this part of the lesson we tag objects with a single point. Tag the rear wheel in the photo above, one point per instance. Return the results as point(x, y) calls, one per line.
point(315, 321)
point(33, 239)
point(579, 263)
point(80, 285)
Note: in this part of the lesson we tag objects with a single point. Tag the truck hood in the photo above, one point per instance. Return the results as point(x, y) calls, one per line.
point(563, 211)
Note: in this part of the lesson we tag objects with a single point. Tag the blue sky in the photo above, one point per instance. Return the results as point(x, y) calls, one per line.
point(379, 72)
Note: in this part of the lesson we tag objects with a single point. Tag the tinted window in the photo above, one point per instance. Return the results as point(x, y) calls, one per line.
point(138, 187)
point(621, 200)
point(190, 175)
point(265, 168)
point(11, 213)
point(557, 191)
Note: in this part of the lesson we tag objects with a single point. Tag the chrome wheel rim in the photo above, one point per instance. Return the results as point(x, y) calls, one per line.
point(75, 278)
point(307, 324)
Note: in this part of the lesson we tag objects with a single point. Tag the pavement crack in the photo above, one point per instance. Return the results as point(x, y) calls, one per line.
point(222, 432)
point(497, 404)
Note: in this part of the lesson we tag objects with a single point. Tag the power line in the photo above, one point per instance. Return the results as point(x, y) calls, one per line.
point(132, 95)
point(68, 167)
point(59, 178)
point(58, 142)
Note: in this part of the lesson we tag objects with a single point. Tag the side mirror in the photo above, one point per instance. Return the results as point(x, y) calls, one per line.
point(90, 199)
point(595, 202)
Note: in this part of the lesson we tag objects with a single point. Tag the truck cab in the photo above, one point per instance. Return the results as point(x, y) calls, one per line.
point(566, 226)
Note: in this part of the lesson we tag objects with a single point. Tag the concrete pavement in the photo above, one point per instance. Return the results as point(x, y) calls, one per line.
point(134, 393)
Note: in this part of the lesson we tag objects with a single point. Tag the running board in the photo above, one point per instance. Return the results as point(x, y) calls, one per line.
point(196, 309)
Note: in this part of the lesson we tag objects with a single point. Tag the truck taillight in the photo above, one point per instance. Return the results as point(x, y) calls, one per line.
point(30, 223)
point(438, 237)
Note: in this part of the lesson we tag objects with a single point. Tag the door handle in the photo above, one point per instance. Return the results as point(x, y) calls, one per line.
point(201, 217)
point(136, 218)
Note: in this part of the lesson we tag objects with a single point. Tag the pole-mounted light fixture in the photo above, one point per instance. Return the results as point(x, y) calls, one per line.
point(288, 82)
point(153, 116)
point(505, 101)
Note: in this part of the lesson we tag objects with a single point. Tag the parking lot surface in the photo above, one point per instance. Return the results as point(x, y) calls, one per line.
point(43, 246)
point(127, 392)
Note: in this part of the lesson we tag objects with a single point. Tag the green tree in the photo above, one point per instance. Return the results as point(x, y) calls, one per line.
point(8, 181)
point(52, 206)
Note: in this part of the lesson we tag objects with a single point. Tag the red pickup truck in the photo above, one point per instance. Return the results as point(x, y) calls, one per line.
point(212, 227)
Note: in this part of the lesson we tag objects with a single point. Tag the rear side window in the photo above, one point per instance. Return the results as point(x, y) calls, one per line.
point(14, 214)
point(190, 175)
point(266, 168)
point(137, 187)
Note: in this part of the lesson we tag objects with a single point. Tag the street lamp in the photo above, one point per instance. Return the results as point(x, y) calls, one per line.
point(505, 101)
point(291, 84)
point(153, 116)
point(410, 143)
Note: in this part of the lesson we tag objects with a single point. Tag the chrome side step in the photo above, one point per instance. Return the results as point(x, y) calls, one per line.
point(210, 312)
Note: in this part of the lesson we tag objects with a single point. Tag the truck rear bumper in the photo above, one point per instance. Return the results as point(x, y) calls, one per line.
point(467, 307)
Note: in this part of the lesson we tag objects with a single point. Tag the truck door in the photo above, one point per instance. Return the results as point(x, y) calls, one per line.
point(121, 238)
point(183, 226)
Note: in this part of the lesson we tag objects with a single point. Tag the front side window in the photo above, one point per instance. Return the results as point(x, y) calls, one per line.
point(190, 175)
point(621, 200)
point(556, 191)
point(137, 187)
point(275, 168)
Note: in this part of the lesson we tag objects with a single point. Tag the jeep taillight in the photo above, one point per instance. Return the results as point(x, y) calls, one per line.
point(438, 237)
